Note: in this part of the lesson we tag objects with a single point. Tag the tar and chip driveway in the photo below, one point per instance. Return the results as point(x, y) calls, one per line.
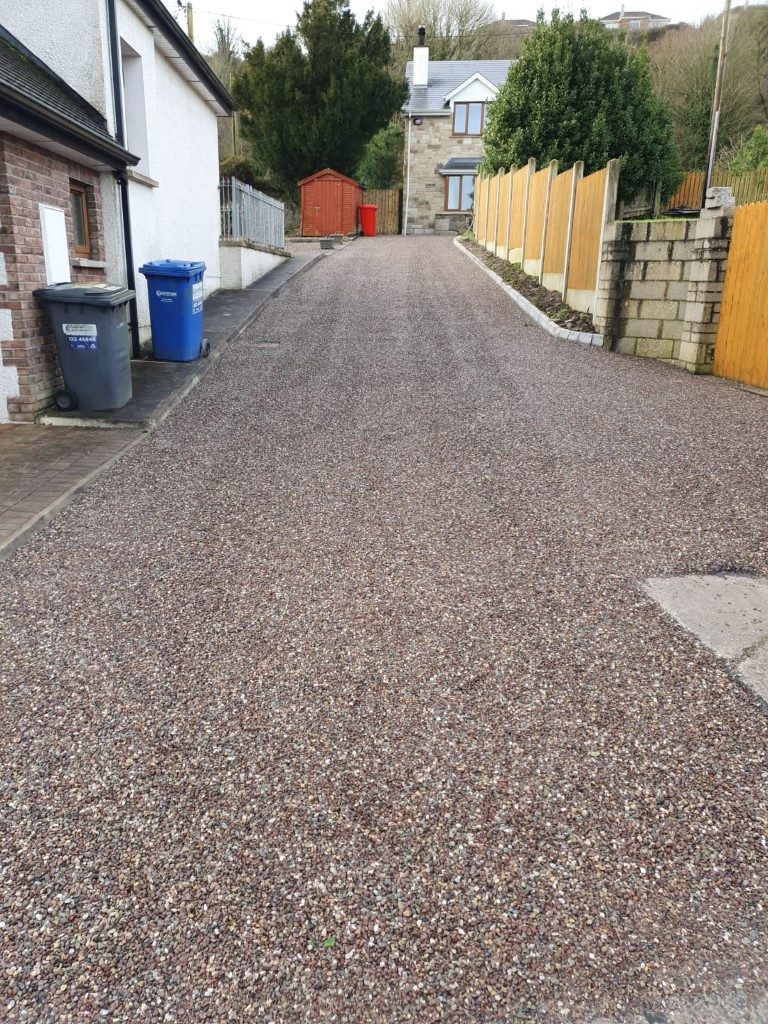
point(339, 698)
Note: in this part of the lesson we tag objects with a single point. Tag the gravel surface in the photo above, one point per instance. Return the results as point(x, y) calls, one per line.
point(339, 698)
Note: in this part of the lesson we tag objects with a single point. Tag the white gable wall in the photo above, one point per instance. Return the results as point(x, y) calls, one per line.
point(175, 214)
point(474, 92)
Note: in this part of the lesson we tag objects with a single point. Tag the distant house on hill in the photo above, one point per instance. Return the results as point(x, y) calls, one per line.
point(504, 38)
point(635, 21)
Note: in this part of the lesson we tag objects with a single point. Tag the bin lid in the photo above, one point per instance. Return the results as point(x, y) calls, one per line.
point(172, 268)
point(93, 294)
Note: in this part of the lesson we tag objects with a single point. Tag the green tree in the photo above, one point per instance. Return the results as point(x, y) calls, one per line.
point(579, 92)
point(753, 154)
point(683, 65)
point(382, 162)
point(319, 94)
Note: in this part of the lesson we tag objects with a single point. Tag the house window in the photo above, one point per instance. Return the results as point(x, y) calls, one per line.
point(468, 118)
point(634, 24)
point(459, 192)
point(81, 228)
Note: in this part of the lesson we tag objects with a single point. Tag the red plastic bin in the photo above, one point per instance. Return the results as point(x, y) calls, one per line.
point(368, 218)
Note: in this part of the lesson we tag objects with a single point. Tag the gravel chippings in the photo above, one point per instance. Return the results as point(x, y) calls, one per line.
point(339, 698)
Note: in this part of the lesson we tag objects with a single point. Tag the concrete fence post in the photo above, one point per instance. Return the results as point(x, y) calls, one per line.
point(610, 198)
point(550, 178)
point(578, 174)
point(531, 169)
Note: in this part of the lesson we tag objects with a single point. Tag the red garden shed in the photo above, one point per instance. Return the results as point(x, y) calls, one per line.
point(329, 203)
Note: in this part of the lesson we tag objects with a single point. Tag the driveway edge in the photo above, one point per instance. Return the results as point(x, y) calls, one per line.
point(41, 518)
point(582, 337)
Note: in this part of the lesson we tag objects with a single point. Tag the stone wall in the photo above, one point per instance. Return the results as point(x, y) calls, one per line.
point(432, 144)
point(659, 288)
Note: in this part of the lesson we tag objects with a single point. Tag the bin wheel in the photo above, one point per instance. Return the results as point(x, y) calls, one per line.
point(65, 401)
point(205, 349)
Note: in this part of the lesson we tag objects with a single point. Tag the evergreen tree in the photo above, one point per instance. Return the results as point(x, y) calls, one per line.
point(579, 93)
point(319, 94)
point(382, 162)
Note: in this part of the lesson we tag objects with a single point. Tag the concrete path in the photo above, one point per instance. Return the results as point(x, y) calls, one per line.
point(40, 467)
point(340, 698)
point(729, 613)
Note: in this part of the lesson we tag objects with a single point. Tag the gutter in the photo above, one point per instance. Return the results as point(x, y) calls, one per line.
point(156, 12)
point(29, 113)
point(120, 178)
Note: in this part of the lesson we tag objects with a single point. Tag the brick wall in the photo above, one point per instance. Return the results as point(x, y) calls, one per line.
point(29, 176)
point(432, 144)
point(659, 288)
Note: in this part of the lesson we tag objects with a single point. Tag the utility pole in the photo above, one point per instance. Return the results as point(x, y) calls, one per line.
point(190, 23)
point(717, 100)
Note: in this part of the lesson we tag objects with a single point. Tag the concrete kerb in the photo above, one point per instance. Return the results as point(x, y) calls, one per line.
point(562, 333)
point(41, 518)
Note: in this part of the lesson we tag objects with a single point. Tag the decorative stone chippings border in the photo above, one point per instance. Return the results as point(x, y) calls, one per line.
point(582, 337)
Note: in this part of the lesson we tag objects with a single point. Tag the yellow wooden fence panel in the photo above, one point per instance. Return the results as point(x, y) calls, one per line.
point(481, 184)
point(503, 220)
point(750, 187)
point(741, 350)
point(493, 195)
point(557, 223)
point(534, 224)
point(587, 232)
point(519, 182)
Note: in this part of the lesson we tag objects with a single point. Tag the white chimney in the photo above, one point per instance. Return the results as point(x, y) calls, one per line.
point(421, 60)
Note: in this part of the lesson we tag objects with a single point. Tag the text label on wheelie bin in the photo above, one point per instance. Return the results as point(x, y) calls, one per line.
point(82, 337)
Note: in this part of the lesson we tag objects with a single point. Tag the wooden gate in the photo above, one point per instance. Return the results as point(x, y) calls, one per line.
point(388, 215)
point(741, 350)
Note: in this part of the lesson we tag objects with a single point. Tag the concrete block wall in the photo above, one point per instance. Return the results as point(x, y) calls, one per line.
point(659, 288)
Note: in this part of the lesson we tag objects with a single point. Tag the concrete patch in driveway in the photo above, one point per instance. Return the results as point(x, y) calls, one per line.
point(728, 612)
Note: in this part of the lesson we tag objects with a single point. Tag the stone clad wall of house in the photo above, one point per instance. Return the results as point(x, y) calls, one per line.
point(29, 176)
point(432, 144)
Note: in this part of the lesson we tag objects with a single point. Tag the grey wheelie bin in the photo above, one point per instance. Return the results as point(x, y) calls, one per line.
point(90, 325)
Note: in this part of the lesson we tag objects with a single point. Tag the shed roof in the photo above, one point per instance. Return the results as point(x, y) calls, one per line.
point(329, 172)
point(445, 76)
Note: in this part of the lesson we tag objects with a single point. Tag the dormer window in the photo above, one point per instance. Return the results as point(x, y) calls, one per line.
point(468, 119)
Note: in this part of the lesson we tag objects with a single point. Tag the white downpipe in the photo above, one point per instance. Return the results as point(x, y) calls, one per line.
point(407, 179)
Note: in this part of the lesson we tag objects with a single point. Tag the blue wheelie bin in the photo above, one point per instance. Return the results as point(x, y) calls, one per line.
point(175, 308)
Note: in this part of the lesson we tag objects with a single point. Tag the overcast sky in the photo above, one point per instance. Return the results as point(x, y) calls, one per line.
point(257, 18)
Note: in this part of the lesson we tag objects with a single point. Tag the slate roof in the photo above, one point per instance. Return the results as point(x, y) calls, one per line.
point(30, 87)
point(623, 15)
point(447, 75)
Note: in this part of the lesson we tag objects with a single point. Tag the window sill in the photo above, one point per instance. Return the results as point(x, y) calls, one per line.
point(87, 264)
point(142, 179)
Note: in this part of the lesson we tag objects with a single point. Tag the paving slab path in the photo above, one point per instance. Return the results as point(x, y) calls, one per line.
point(340, 697)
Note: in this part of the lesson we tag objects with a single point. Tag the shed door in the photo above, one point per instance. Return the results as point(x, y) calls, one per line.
point(330, 195)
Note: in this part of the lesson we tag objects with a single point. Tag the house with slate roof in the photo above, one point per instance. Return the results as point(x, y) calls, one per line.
point(445, 110)
point(108, 159)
